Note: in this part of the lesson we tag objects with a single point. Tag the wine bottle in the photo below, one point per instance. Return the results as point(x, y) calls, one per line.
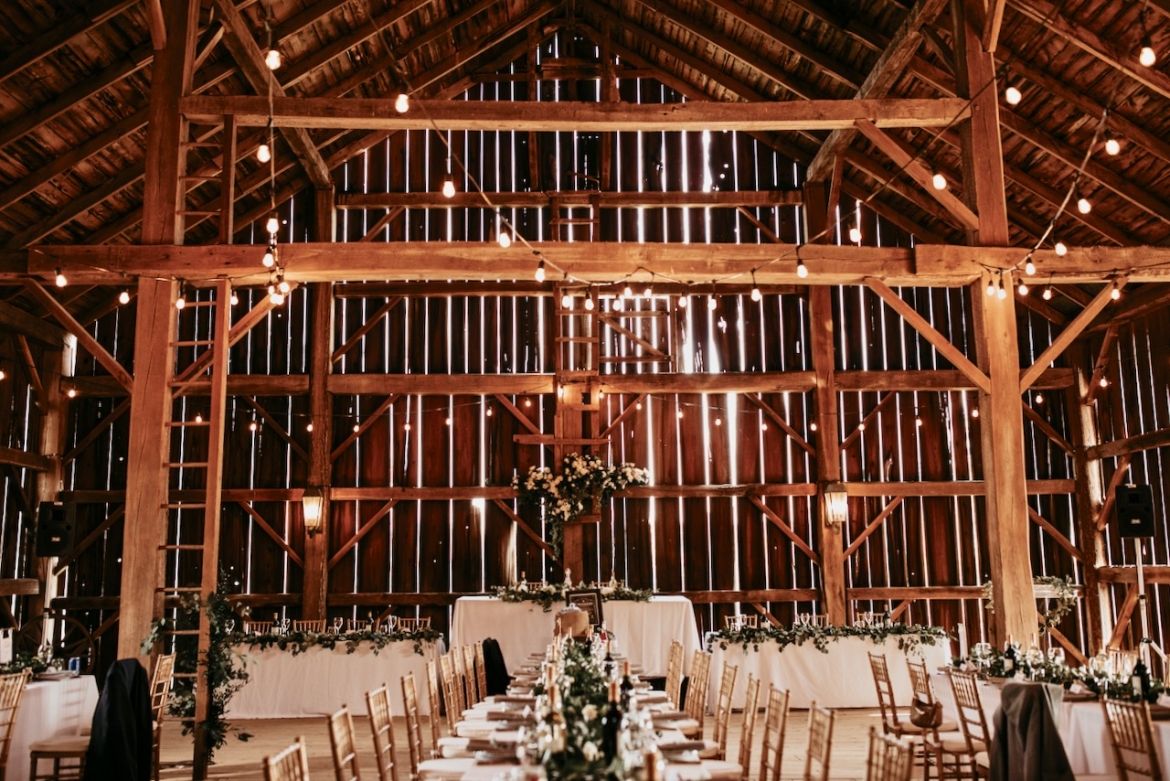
point(608, 665)
point(611, 724)
point(627, 685)
point(1009, 658)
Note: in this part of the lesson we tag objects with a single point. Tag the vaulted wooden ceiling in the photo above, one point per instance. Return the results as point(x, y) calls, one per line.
point(74, 87)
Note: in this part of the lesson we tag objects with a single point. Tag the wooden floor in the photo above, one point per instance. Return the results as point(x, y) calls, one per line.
point(241, 759)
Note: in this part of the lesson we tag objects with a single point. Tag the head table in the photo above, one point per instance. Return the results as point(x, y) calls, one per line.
point(644, 630)
point(318, 680)
point(49, 709)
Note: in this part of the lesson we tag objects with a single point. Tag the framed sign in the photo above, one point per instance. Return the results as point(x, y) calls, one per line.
point(589, 600)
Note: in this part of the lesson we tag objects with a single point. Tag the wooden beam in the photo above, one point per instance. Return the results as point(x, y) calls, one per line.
point(1129, 445)
point(855, 434)
point(276, 426)
point(873, 525)
point(360, 534)
point(266, 527)
point(370, 324)
point(1101, 364)
point(1047, 429)
point(379, 114)
point(888, 67)
point(774, 518)
point(1105, 506)
point(1057, 536)
point(992, 24)
point(520, 417)
point(84, 338)
point(528, 531)
point(776, 418)
point(582, 198)
point(382, 222)
point(59, 33)
point(93, 536)
point(364, 426)
point(928, 332)
point(1069, 333)
point(250, 61)
point(156, 23)
point(25, 460)
point(629, 410)
point(16, 320)
point(1124, 615)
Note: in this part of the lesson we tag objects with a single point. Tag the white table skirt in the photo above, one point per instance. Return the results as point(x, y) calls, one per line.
point(49, 709)
point(644, 630)
point(319, 680)
point(837, 678)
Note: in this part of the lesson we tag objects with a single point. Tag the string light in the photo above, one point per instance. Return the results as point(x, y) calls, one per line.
point(1023, 288)
point(812, 426)
point(283, 286)
point(647, 292)
point(71, 393)
point(235, 298)
point(855, 234)
point(711, 303)
point(402, 103)
point(756, 294)
point(1060, 248)
point(680, 414)
point(275, 297)
point(273, 59)
point(124, 297)
point(3, 375)
point(540, 271)
point(1030, 267)
point(589, 303)
point(1038, 398)
point(1147, 56)
point(682, 302)
point(59, 279)
point(627, 292)
point(1012, 95)
point(309, 427)
point(273, 224)
point(269, 259)
point(1112, 146)
point(263, 153)
point(1115, 293)
point(448, 183)
point(1047, 294)
point(1001, 290)
point(181, 301)
point(567, 301)
point(801, 269)
point(504, 238)
point(1103, 382)
point(990, 286)
point(939, 181)
point(975, 412)
point(1083, 205)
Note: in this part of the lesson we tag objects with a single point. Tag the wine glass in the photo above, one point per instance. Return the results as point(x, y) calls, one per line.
point(1056, 655)
point(338, 623)
point(229, 625)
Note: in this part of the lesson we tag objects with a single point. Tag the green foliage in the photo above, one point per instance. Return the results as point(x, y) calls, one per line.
point(1062, 590)
point(548, 594)
point(1094, 677)
point(33, 662)
point(298, 642)
point(909, 636)
point(584, 694)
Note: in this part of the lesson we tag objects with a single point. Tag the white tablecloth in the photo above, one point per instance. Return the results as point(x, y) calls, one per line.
point(644, 630)
point(319, 680)
point(49, 709)
point(837, 678)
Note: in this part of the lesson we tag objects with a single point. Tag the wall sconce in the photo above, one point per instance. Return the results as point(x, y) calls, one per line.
point(836, 503)
point(313, 506)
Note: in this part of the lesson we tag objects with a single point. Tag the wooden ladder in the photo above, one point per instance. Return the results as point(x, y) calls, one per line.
point(189, 559)
point(577, 424)
point(563, 217)
point(192, 178)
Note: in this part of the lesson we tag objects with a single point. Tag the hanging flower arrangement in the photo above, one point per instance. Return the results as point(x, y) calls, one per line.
point(570, 493)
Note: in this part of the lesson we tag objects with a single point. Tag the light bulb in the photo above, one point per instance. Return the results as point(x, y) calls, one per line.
point(272, 59)
point(505, 240)
point(1030, 267)
point(812, 426)
point(3, 376)
point(566, 301)
point(1147, 56)
point(1060, 248)
point(917, 421)
point(540, 271)
point(1103, 382)
point(1001, 292)
point(60, 279)
point(284, 287)
point(1023, 288)
point(1083, 205)
point(711, 303)
point(448, 188)
point(235, 299)
point(198, 417)
point(756, 294)
point(269, 259)
point(1112, 146)
point(682, 302)
point(975, 412)
point(273, 224)
point(679, 415)
point(801, 269)
point(939, 181)
point(627, 292)
point(180, 302)
point(276, 297)
point(124, 297)
point(1012, 95)
point(1047, 294)
point(402, 103)
point(71, 393)
point(309, 427)
point(855, 235)
point(618, 304)
point(263, 153)
point(253, 427)
point(647, 292)
point(1115, 293)
point(990, 287)
point(1039, 398)
point(588, 303)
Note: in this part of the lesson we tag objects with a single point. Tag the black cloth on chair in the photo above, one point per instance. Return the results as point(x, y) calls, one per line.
point(1027, 745)
point(495, 667)
point(121, 741)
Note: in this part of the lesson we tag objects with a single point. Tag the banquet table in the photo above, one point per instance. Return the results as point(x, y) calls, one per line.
point(838, 677)
point(643, 630)
point(49, 709)
point(1081, 725)
point(320, 680)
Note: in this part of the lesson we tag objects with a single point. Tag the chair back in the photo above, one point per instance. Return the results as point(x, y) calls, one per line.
point(700, 679)
point(723, 707)
point(161, 681)
point(674, 673)
point(291, 764)
point(433, 701)
point(885, 692)
point(741, 620)
point(382, 727)
point(316, 625)
point(481, 671)
point(775, 723)
point(447, 675)
point(820, 743)
point(751, 704)
point(413, 624)
point(470, 678)
point(920, 683)
point(413, 730)
point(11, 692)
point(358, 625)
point(345, 764)
point(257, 627)
point(1131, 731)
point(460, 681)
point(972, 720)
point(889, 759)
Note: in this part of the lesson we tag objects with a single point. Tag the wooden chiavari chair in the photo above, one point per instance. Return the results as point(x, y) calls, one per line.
point(471, 680)
point(716, 748)
point(11, 693)
point(889, 759)
point(696, 704)
point(447, 676)
point(481, 671)
point(433, 701)
point(1131, 732)
point(413, 624)
point(967, 758)
point(66, 752)
point(751, 704)
point(674, 673)
point(291, 764)
point(741, 620)
point(160, 700)
point(775, 724)
point(358, 625)
point(460, 681)
point(425, 769)
point(382, 728)
point(315, 625)
point(257, 627)
point(341, 743)
point(820, 743)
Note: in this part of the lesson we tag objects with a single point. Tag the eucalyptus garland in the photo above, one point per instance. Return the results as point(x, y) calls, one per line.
point(909, 636)
point(584, 693)
point(1095, 678)
point(25, 661)
point(299, 642)
point(548, 594)
point(1063, 591)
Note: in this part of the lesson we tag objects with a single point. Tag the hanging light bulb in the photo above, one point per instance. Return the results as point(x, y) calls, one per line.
point(273, 224)
point(269, 259)
point(566, 301)
point(618, 304)
point(682, 302)
point(540, 271)
point(939, 181)
point(1023, 288)
point(1103, 382)
point(283, 286)
point(756, 294)
point(448, 187)
point(505, 240)
point(855, 235)
point(975, 412)
point(1030, 267)
point(263, 153)
point(812, 426)
point(71, 393)
point(273, 59)
point(1083, 205)
point(1060, 248)
point(588, 303)
point(1012, 95)
point(1115, 293)
point(711, 303)
point(1047, 294)
point(124, 297)
point(647, 292)
point(1001, 289)
point(801, 269)
point(627, 292)
point(59, 280)
point(1038, 398)
point(180, 302)
point(1112, 146)
point(402, 103)
point(990, 286)
point(1146, 55)
point(275, 297)
point(235, 299)
point(3, 376)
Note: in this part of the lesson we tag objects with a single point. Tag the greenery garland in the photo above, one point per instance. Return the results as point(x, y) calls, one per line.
point(299, 642)
point(570, 493)
point(1062, 589)
point(1045, 670)
point(909, 636)
point(548, 594)
point(584, 693)
point(25, 661)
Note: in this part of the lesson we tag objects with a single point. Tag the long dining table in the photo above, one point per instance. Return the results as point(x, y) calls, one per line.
point(49, 709)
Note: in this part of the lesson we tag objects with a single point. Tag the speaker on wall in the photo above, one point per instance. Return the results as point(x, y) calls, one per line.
point(55, 523)
point(1135, 511)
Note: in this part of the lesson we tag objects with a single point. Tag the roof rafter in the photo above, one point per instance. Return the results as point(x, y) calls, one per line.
point(59, 34)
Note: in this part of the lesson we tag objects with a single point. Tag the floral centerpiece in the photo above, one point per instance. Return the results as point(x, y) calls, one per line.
point(571, 493)
point(548, 594)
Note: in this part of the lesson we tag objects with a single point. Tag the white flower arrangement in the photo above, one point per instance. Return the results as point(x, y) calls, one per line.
point(570, 493)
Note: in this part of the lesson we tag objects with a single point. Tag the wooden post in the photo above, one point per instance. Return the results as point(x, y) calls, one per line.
point(320, 414)
point(52, 444)
point(150, 405)
point(828, 443)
